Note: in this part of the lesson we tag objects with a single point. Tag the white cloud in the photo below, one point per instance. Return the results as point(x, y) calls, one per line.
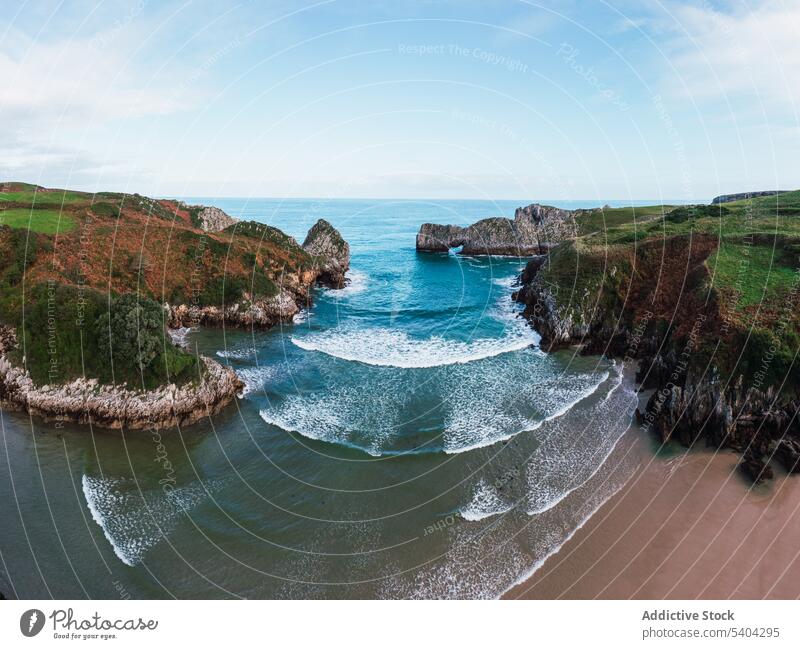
point(71, 81)
point(749, 51)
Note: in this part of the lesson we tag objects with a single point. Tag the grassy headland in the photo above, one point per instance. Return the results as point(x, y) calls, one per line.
point(68, 258)
point(706, 298)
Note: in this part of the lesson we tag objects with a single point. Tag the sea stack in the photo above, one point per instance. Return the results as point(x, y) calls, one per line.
point(331, 253)
point(533, 230)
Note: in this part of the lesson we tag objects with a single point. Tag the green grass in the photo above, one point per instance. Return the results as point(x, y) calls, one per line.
point(54, 197)
point(755, 273)
point(44, 221)
point(769, 216)
point(600, 221)
point(782, 202)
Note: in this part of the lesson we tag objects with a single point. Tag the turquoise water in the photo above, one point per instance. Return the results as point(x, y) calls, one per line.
point(405, 437)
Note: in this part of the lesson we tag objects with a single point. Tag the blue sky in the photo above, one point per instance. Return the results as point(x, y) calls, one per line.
point(492, 99)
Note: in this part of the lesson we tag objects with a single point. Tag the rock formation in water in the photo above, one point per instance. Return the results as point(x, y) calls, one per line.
point(202, 266)
point(533, 230)
point(85, 401)
point(330, 253)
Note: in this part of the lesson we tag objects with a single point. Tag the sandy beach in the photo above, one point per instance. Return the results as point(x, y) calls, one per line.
point(687, 525)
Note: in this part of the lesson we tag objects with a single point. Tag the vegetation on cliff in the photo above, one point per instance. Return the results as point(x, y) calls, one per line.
point(83, 278)
point(706, 296)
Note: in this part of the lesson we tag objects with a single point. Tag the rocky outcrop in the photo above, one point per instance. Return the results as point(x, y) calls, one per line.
point(558, 328)
point(85, 401)
point(533, 230)
point(433, 237)
point(758, 424)
point(261, 313)
point(330, 252)
point(685, 407)
point(730, 198)
point(551, 225)
point(213, 219)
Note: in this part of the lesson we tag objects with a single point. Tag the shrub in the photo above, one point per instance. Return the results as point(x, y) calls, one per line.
point(132, 330)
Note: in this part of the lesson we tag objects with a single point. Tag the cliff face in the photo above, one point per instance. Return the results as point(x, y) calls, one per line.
point(730, 198)
point(213, 219)
point(330, 253)
point(712, 323)
point(758, 424)
point(261, 313)
point(533, 230)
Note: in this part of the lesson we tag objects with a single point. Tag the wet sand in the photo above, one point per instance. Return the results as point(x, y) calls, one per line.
point(685, 526)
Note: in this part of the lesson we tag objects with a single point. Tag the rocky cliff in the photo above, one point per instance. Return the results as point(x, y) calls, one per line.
point(75, 254)
point(534, 229)
point(730, 198)
point(330, 253)
point(260, 313)
point(213, 219)
point(711, 322)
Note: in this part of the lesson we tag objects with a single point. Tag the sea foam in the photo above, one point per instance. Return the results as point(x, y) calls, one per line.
point(133, 523)
point(394, 348)
point(486, 502)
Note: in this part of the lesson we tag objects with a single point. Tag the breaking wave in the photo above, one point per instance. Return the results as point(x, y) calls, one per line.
point(393, 348)
point(486, 502)
point(133, 523)
point(245, 354)
point(357, 283)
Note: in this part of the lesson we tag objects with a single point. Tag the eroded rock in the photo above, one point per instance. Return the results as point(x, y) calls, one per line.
point(331, 253)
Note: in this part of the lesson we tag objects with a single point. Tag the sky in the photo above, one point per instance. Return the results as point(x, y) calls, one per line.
point(495, 99)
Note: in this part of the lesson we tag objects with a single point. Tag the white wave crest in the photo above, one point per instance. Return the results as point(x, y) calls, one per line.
point(179, 336)
point(357, 283)
point(486, 502)
point(393, 348)
point(246, 354)
point(581, 454)
point(133, 524)
point(254, 378)
point(490, 421)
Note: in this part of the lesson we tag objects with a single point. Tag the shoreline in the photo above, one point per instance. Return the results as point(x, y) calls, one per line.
point(684, 526)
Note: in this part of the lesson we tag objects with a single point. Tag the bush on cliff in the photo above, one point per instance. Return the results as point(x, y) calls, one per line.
point(131, 335)
point(131, 331)
point(69, 332)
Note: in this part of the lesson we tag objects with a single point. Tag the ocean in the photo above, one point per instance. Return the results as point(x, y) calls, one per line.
point(403, 438)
